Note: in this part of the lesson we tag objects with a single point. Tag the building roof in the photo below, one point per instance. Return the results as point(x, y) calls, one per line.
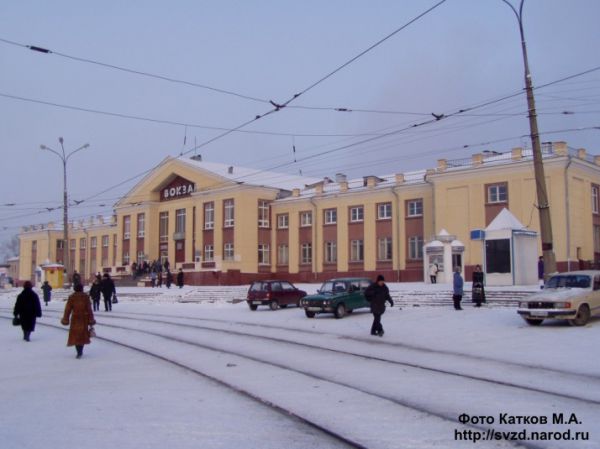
point(505, 220)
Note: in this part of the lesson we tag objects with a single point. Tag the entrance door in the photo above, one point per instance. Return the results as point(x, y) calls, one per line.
point(180, 251)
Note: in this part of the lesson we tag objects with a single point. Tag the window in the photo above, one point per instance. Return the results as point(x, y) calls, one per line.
point(125, 258)
point(283, 221)
point(357, 214)
point(596, 239)
point(384, 248)
point(306, 253)
point(93, 242)
point(497, 193)
point(180, 221)
point(330, 216)
point(415, 248)
point(209, 215)
point(415, 208)
point(384, 211)
point(330, 252)
point(34, 245)
point(595, 195)
point(141, 256)
point(263, 254)
point(497, 253)
point(229, 218)
point(282, 255)
point(357, 251)
point(105, 241)
point(82, 243)
point(263, 214)
point(141, 225)
point(209, 253)
point(72, 244)
point(60, 244)
point(228, 251)
point(305, 218)
point(126, 227)
point(163, 227)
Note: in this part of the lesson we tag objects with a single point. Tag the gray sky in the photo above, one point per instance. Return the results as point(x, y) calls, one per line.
point(459, 55)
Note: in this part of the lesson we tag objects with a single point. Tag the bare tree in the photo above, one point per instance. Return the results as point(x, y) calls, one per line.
point(9, 248)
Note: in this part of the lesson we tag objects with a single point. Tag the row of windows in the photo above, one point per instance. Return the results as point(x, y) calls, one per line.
point(141, 226)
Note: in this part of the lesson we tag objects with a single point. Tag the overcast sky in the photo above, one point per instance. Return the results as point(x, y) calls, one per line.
point(462, 53)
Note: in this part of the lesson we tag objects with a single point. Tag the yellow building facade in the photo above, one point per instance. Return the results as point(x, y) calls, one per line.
point(229, 225)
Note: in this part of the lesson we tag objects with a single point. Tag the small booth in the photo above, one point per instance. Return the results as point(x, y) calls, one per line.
point(446, 252)
point(510, 252)
point(54, 274)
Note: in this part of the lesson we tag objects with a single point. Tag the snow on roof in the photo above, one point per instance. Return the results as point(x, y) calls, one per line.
point(505, 220)
point(253, 176)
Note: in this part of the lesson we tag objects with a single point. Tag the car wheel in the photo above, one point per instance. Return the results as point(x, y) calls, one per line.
point(582, 317)
point(252, 306)
point(309, 314)
point(534, 321)
point(274, 305)
point(283, 306)
point(340, 311)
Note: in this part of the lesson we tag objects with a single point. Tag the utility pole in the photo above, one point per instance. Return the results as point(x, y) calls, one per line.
point(64, 158)
point(538, 164)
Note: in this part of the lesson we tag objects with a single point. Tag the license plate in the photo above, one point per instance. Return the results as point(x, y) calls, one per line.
point(257, 302)
point(538, 313)
point(313, 309)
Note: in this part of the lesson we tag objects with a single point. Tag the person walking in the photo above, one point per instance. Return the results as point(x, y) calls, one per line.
point(169, 279)
point(47, 288)
point(95, 293)
point(27, 309)
point(107, 287)
point(153, 279)
point(180, 278)
point(377, 294)
point(541, 270)
point(478, 289)
point(76, 278)
point(79, 317)
point(167, 265)
point(159, 279)
point(433, 271)
point(457, 285)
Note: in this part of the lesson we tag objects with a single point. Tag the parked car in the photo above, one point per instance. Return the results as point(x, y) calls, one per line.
point(572, 296)
point(337, 296)
point(274, 294)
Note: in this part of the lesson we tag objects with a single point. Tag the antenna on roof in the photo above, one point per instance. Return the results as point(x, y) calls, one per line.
point(184, 140)
point(294, 147)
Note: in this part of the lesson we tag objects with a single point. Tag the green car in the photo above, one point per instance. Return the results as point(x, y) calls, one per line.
point(337, 296)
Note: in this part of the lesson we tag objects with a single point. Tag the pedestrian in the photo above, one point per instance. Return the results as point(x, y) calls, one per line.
point(541, 270)
point(95, 293)
point(159, 279)
point(107, 287)
point(433, 271)
point(478, 289)
point(169, 279)
point(46, 288)
point(76, 278)
point(378, 294)
point(180, 278)
point(79, 317)
point(457, 288)
point(27, 309)
point(153, 279)
point(167, 265)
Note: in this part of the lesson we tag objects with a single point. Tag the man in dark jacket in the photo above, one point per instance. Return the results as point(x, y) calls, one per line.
point(76, 278)
point(107, 287)
point(169, 279)
point(457, 287)
point(378, 294)
point(27, 309)
point(46, 288)
point(180, 278)
point(95, 292)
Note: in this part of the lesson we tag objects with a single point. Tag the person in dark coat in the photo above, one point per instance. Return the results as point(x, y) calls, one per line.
point(541, 268)
point(478, 289)
point(159, 279)
point(167, 265)
point(76, 278)
point(378, 294)
point(457, 285)
point(169, 279)
point(180, 278)
point(95, 293)
point(107, 287)
point(27, 309)
point(46, 288)
point(78, 314)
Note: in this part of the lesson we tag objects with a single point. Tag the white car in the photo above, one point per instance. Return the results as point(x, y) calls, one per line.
point(573, 296)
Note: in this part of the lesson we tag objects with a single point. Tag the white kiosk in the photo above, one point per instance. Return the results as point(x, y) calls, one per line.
point(445, 251)
point(511, 252)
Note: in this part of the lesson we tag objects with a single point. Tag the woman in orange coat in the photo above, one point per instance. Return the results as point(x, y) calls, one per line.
point(78, 312)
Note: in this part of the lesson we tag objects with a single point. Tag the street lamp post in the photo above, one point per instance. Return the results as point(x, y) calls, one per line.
point(538, 164)
point(64, 157)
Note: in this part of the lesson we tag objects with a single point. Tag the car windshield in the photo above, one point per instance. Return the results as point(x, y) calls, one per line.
point(333, 287)
point(569, 281)
point(257, 287)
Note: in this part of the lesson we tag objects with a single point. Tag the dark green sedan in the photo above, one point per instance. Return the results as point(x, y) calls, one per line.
point(337, 296)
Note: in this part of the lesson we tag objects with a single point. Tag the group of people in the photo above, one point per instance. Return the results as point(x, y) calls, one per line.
point(156, 278)
point(478, 290)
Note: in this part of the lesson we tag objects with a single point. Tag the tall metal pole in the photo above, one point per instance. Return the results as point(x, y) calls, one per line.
point(538, 164)
point(64, 158)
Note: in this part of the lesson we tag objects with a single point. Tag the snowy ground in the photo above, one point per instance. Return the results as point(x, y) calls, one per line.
point(405, 390)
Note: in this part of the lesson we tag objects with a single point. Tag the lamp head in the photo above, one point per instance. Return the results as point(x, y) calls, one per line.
point(43, 147)
point(60, 139)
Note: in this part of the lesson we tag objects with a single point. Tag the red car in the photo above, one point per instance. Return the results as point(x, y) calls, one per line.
point(274, 294)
